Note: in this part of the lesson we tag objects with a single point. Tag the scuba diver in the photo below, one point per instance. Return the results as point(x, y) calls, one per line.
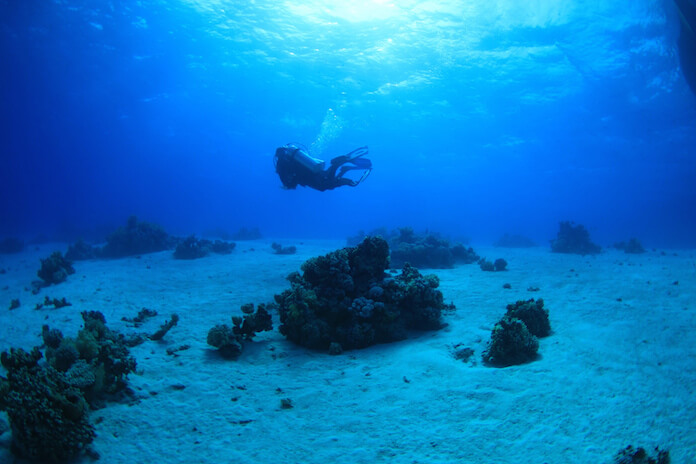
point(687, 40)
point(296, 167)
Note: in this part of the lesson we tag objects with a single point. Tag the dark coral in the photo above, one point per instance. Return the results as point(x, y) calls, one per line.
point(631, 455)
point(137, 237)
point(633, 246)
point(105, 352)
point(511, 343)
point(222, 248)
point(166, 327)
point(230, 340)
point(48, 415)
point(499, 265)
point(428, 251)
point(55, 269)
point(193, 248)
point(574, 239)
point(81, 251)
point(283, 250)
point(420, 250)
point(533, 314)
point(344, 299)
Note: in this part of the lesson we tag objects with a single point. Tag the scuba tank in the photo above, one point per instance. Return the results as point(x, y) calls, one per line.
point(301, 155)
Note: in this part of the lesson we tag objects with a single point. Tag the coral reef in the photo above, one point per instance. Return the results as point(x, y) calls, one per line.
point(499, 265)
point(55, 302)
point(81, 251)
point(630, 455)
point(48, 414)
point(633, 246)
point(422, 251)
point(514, 338)
point(193, 248)
point(281, 250)
point(514, 241)
point(142, 316)
point(533, 314)
point(230, 340)
point(11, 245)
point(104, 351)
point(54, 269)
point(574, 239)
point(136, 238)
point(343, 300)
point(511, 343)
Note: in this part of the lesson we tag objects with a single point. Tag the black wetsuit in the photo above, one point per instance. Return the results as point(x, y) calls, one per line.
point(292, 172)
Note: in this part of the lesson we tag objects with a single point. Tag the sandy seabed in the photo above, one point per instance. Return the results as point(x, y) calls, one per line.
point(618, 369)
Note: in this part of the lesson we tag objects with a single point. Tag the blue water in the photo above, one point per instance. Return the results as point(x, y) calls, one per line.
point(481, 117)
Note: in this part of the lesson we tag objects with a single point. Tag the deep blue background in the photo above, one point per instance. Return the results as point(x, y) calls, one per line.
point(481, 117)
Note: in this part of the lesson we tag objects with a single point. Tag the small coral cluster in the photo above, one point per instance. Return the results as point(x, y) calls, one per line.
point(344, 300)
point(498, 265)
point(230, 340)
point(633, 246)
point(283, 250)
point(514, 338)
point(48, 403)
point(54, 269)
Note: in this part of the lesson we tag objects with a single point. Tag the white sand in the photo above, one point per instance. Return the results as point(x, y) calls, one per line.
point(612, 373)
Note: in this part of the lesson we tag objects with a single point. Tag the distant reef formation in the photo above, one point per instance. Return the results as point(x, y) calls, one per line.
point(11, 245)
point(574, 239)
point(426, 250)
point(244, 233)
point(193, 248)
point(279, 249)
point(344, 300)
point(514, 241)
point(137, 237)
point(48, 403)
point(633, 246)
